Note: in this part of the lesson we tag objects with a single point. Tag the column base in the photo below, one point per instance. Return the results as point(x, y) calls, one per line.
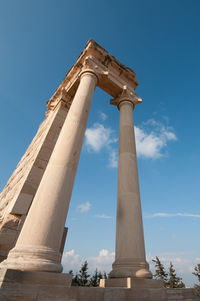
point(134, 268)
point(40, 259)
point(9, 276)
point(130, 282)
point(32, 286)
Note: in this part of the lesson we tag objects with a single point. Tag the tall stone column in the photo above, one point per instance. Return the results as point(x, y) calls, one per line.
point(130, 259)
point(38, 245)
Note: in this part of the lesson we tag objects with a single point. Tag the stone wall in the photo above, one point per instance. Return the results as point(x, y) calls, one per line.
point(51, 293)
point(17, 196)
point(47, 286)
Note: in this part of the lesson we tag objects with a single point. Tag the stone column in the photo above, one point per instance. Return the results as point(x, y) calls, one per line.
point(38, 246)
point(130, 259)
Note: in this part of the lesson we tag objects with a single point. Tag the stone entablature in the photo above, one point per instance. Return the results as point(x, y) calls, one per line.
point(112, 74)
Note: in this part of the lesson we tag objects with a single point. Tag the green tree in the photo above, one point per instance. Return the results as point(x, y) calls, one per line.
point(197, 274)
point(174, 281)
point(95, 279)
point(83, 276)
point(75, 280)
point(105, 276)
point(160, 272)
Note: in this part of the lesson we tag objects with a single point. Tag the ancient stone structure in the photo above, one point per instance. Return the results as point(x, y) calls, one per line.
point(17, 196)
point(35, 201)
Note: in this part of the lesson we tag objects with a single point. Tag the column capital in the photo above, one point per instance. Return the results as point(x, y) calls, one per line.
point(126, 96)
point(89, 66)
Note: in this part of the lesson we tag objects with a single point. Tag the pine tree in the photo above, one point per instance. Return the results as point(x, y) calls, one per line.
point(105, 276)
point(100, 276)
point(160, 272)
point(174, 281)
point(83, 276)
point(95, 279)
point(197, 274)
point(75, 280)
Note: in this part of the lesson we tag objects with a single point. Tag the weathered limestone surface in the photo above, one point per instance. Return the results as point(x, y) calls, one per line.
point(40, 286)
point(34, 286)
point(131, 282)
point(17, 196)
point(130, 258)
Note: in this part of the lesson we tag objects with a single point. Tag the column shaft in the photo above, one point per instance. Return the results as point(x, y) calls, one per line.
point(130, 258)
point(39, 242)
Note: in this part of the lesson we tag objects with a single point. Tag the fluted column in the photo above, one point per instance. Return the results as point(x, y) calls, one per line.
point(38, 245)
point(130, 259)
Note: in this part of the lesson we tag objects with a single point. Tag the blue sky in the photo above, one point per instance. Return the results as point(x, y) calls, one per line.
point(160, 40)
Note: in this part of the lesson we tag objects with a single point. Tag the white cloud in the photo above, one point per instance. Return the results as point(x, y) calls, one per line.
point(162, 214)
point(151, 139)
point(147, 145)
point(170, 135)
point(98, 137)
point(103, 216)
point(113, 159)
point(103, 261)
point(103, 116)
point(84, 207)
point(71, 261)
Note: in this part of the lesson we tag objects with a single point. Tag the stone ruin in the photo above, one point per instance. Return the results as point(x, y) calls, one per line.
point(35, 201)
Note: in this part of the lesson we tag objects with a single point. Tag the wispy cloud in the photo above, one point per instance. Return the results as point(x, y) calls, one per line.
point(162, 214)
point(103, 116)
point(103, 216)
point(98, 137)
point(84, 207)
point(113, 159)
point(151, 139)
